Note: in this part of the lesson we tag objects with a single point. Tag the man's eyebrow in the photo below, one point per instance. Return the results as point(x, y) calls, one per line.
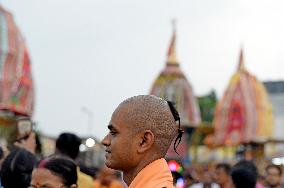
point(110, 127)
point(45, 185)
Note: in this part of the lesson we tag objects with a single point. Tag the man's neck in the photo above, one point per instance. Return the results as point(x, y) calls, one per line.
point(128, 176)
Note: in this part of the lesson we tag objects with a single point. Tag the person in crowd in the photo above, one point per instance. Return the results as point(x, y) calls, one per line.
point(89, 170)
point(17, 169)
point(68, 145)
point(206, 181)
point(108, 178)
point(26, 137)
point(223, 175)
point(55, 172)
point(273, 176)
point(188, 180)
point(244, 174)
point(261, 181)
point(141, 130)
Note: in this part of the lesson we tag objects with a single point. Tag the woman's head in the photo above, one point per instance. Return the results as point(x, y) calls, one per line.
point(17, 169)
point(55, 172)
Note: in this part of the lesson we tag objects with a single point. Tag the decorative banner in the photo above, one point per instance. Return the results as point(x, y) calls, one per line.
point(244, 114)
point(16, 83)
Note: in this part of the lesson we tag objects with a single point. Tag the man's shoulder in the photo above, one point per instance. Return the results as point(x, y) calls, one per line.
point(154, 175)
point(167, 184)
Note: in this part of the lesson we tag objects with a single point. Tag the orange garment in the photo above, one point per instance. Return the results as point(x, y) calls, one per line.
point(154, 175)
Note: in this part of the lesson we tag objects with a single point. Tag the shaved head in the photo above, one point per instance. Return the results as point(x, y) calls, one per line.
point(148, 112)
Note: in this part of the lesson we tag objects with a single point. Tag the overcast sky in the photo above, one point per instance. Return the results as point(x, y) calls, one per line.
point(96, 53)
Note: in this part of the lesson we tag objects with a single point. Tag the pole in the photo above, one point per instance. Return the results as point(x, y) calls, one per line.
point(90, 119)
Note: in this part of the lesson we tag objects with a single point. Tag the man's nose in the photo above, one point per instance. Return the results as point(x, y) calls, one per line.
point(106, 140)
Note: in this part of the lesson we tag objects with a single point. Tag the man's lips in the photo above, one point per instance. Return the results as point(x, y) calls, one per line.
point(107, 154)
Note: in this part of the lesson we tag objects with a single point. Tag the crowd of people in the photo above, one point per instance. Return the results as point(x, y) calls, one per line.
point(21, 168)
point(243, 174)
point(141, 130)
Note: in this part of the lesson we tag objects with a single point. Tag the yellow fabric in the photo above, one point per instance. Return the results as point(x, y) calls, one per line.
point(154, 175)
point(84, 180)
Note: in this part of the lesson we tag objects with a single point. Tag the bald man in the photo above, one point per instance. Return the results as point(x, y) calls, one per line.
point(141, 130)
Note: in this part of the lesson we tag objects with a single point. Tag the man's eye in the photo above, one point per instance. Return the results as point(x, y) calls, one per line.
point(44, 186)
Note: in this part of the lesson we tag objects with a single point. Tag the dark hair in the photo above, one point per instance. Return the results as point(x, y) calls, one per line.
point(225, 166)
point(1, 153)
point(68, 144)
point(176, 118)
point(17, 169)
point(62, 167)
point(274, 166)
point(244, 174)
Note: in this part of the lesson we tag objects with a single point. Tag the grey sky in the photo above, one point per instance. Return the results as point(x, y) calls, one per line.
point(95, 53)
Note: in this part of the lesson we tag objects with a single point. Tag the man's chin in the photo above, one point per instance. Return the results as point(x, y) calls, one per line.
point(107, 163)
point(110, 165)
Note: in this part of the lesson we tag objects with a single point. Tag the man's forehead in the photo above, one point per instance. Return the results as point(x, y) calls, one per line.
point(118, 119)
point(121, 111)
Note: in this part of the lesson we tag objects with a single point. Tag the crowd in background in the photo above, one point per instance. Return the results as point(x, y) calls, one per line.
point(244, 174)
point(21, 168)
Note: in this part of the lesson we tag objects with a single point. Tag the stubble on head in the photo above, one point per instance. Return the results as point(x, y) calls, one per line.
point(148, 112)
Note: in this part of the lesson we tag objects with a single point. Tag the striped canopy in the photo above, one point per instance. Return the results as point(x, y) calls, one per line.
point(172, 85)
point(244, 114)
point(16, 83)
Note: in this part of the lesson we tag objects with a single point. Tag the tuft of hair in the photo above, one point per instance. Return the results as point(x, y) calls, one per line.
point(148, 112)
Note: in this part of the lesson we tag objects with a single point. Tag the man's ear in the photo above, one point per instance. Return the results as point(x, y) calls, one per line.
point(146, 141)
